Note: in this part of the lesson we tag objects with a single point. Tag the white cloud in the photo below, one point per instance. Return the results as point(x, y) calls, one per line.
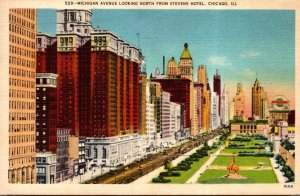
point(249, 54)
point(219, 61)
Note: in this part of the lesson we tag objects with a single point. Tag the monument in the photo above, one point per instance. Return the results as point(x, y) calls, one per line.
point(233, 171)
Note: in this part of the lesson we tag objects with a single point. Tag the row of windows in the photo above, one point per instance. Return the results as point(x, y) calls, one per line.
point(22, 62)
point(21, 105)
point(28, 13)
point(21, 72)
point(22, 52)
point(21, 83)
point(23, 160)
point(44, 107)
point(24, 94)
point(21, 139)
point(21, 41)
point(14, 151)
point(22, 31)
point(21, 127)
point(21, 116)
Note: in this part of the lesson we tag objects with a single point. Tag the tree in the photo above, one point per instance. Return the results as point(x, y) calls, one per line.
point(167, 165)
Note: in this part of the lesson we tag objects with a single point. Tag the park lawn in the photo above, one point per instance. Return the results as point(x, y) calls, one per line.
point(185, 175)
point(213, 176)
point(213, 150)
point(236, 151)
point(241, 161)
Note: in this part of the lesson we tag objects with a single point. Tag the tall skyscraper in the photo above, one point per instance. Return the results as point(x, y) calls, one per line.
point(46, 112)
point(239, 104)
point(215, 117)
point(225, 106)
point(206, 96)
point(143, 106)
point(217, 88)
point(172, 69)
point(186, 64)
point(98, 77)
point(259, 101)
point(22, 65)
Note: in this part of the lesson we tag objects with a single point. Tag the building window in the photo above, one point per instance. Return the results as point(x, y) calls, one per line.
point(41, 170)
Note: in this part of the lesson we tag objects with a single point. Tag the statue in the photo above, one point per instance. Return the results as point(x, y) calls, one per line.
point(232, 167)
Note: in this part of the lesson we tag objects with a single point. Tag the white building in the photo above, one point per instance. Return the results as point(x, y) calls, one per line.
point(45, 168)
point(151, 128)
point(74, 21)
point(231, 110)
point(165, 115)
point(113, 151)
point(225, 106)
point(214, 115)
point(175, 120)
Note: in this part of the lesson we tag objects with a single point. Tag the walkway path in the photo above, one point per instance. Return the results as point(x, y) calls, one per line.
point(240, 167)
point(195, 177)
point(148, 177)
point(279, 174)
point(86, 176)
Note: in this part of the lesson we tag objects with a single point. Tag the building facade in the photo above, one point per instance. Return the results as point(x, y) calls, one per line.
point(62, 155)
point(165, 115)
point(206, 97)
point(279, 110)
point(259, 101)
point(114, 151)
point(217, 88)
point(225, 106)
point(180, 93)
point(46, 112)
point(239, 104)
point(97, 69)
point(22, 69)
point(46, 168)
point(249, 128)
point(215, 117)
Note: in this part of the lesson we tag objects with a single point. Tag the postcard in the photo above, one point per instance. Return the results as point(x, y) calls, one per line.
point(149, 97)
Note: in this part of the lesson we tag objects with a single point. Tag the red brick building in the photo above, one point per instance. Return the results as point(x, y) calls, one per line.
point(98, 82)
point(179, 90)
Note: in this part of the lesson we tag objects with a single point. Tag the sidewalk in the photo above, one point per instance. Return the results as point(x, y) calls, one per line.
point(148, 177)
point(86, 176)
point(279, 174)
point(195, 177)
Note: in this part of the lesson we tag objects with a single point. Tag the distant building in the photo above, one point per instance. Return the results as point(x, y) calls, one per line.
point(215, 118)
point(259, 101)
point(225, 111)
point(250, 127)
point(239, 102)
point(279, 110)
point(165, 115)
point(46, 168)
point(155, 99)
point(180, 93)
point(206, 97)
point(217, 89)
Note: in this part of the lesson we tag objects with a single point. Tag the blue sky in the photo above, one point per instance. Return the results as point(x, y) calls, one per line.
point(241, 44)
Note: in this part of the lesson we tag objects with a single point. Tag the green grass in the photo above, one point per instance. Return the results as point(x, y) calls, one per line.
point(236, 151)
point(185, 175)
point(213, 176)
point(241, 161)
point(213, 150)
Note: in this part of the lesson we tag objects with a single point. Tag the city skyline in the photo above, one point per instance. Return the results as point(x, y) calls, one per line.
point(242, 45)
